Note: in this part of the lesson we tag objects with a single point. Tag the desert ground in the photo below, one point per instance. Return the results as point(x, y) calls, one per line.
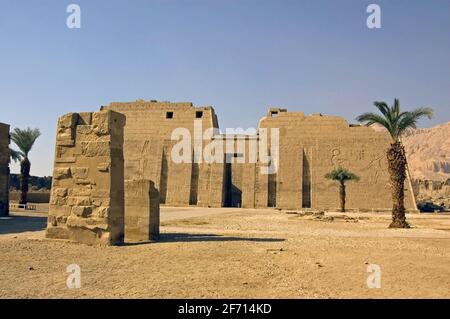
point(235, 253)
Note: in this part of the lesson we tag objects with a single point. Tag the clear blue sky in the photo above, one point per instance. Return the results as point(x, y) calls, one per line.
point(238, 55)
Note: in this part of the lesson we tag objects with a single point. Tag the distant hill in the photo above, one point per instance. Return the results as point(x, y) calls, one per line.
point(428, 152)
point(36, 183)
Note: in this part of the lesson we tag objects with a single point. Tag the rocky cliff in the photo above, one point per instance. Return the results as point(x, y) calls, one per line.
point(428, 152)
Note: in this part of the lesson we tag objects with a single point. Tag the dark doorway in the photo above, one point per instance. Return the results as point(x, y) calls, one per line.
point(193, 198)
point(233, 195)
point(306, 181)
point(164, 178)
point(272, 190)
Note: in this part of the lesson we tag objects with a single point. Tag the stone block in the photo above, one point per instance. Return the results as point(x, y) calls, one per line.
point(80, 172)
point(82, 211)
point(81, 208)
point(68, 121)
point(103, 167)
point(70, 159)
point(141, 211)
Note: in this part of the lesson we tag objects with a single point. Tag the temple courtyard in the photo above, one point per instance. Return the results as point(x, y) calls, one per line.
point(235, 253)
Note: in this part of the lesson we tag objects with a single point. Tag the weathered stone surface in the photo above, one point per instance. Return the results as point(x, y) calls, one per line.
point(59, 192)
point(103, 167)
point(80, 172)
point(82, 211)
point(4, 169)
point(61, 172)
point(310, 147)
point(141, 211)
point(94, 149)
point(67, 142)
point(147, 150)
point(80, 191)
point(81, 207)
point(71, 159)
point(68, 121)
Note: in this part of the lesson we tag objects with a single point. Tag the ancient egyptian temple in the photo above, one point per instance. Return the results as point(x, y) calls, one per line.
point(308, 148)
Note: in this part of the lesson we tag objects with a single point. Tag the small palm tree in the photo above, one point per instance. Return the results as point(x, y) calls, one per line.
point(342, 175)
point(24, 139)
point(396, 123)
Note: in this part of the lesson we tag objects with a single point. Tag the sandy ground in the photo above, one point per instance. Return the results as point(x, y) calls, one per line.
point(232, 253)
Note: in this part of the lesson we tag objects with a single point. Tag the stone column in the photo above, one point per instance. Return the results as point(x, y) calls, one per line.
point(87, 199)
point(141, 211)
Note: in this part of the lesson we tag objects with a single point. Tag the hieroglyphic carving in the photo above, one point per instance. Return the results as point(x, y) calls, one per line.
point(339, 158)
point(376, 168)
point(334, 143)
point(336, 158)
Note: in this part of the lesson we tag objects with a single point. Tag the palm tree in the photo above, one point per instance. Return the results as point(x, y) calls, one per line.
point(15, 155)
point(342, 175)
point(396, 123)
point(24, 139)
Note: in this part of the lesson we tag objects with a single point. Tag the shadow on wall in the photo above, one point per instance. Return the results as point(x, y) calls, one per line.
point(21, 224)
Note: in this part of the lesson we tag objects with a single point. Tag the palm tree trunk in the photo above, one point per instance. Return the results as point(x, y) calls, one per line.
point(397, 171)
point(25, 167)
point(342, 196)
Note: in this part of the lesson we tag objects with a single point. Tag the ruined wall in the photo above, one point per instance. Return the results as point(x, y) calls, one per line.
point(311, 146)
point(141, 211)
point(148, 148)
point(4, 169)
point(87, 199)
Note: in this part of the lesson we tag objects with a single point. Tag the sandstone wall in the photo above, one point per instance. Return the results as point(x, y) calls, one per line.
point(87, 199)
point(141, 211)
point(240, 173)
point(210, 185)
point(4, 169)
point(311, 146)
point(148, 148)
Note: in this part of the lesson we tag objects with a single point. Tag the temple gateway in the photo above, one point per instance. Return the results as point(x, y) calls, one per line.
point(309, 147)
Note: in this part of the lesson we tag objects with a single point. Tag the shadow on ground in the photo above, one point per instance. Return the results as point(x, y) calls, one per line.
point(182, 237)
point(20, 224)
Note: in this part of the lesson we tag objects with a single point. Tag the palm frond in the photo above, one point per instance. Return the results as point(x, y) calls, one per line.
point(423, 111)
point(396, 109)
point(409, 120)
point(395, 121)
point(382, 107)
point(370, 118)
point(24, 139)
point(16, 156)
point(341, 174)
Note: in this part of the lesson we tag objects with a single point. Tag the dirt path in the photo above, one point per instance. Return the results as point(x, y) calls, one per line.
point(240, 253)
